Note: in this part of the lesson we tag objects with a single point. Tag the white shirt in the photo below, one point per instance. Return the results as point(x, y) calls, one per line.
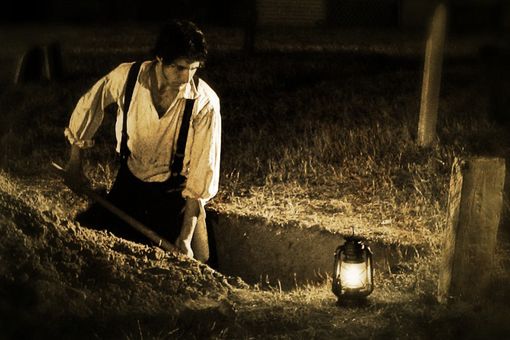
point(152, 140)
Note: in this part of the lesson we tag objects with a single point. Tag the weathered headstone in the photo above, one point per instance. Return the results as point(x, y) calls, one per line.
point(31, 66)
point(474, 209)
point(40, 63)
point(432, 78)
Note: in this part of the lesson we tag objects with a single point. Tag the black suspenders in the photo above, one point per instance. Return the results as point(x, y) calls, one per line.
point(176, 165)
point(130, 85)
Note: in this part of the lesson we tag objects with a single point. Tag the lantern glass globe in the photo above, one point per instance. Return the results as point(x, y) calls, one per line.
point(353, 275)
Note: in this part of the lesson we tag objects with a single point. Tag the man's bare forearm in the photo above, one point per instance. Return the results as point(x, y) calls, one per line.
point(73, 176)
point(75, 158)
point(191, 212)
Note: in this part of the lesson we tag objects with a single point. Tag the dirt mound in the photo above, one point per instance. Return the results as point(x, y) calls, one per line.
point(57, 278)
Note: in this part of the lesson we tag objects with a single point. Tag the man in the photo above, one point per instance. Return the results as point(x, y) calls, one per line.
point(164, 180)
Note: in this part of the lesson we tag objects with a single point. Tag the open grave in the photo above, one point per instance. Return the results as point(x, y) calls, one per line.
point(289, 255)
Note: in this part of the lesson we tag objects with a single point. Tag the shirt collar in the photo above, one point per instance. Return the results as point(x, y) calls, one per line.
point(190, 91)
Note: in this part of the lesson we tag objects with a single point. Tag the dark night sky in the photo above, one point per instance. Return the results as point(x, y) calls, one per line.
point(217, 12)
point(473, 14)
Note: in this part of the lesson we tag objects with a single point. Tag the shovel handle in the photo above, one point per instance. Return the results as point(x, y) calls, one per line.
point(150, 234)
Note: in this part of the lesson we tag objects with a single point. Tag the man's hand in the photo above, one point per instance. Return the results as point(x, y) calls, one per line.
point(75, 179)
point(73, 175)
point(184, 246)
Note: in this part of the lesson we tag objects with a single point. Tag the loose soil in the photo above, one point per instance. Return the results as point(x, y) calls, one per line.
point(60, 280)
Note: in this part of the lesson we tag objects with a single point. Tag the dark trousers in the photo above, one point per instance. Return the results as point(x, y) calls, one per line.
point(157, 205)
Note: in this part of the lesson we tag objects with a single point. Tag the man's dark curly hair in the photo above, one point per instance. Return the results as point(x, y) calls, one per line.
point(180, 39)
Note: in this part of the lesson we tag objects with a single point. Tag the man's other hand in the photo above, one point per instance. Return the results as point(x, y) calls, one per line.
point(75, 179)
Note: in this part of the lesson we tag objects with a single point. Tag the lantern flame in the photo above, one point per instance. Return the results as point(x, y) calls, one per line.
point(353, 275)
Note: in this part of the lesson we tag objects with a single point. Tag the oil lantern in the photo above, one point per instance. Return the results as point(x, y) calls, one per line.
point(353, 278)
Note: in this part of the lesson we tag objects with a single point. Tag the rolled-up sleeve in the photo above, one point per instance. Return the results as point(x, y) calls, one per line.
point(88, 114)
point(203, 155)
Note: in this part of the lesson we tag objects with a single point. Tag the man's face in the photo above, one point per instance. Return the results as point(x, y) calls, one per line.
point(178, 73)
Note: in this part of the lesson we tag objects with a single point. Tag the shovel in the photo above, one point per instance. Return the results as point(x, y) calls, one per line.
point(150, 234)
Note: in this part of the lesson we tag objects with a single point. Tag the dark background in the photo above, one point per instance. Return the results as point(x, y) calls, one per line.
point(464, 15)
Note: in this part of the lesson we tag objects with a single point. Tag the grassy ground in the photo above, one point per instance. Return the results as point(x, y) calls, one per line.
point(319, 128)
point(319, 132)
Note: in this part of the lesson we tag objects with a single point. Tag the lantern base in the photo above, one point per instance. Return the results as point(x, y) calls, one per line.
point(353, 301)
